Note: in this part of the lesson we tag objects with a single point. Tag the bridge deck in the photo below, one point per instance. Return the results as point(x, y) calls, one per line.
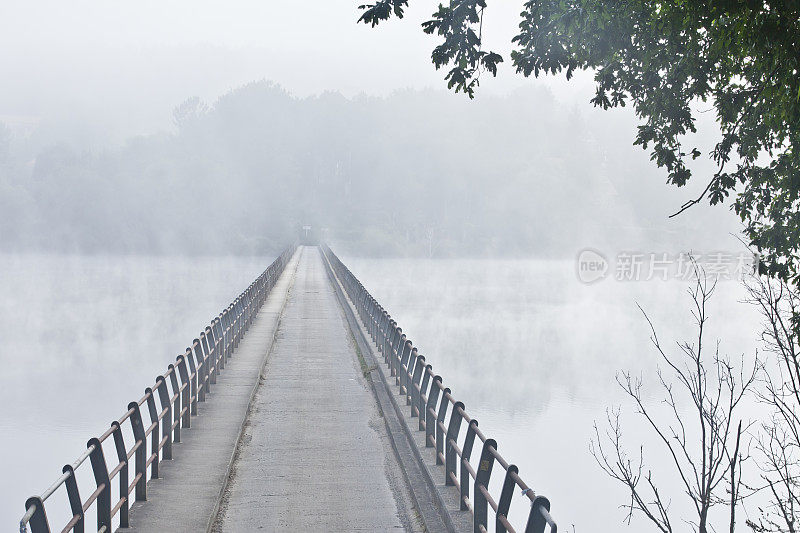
point(186, 495)
point(314, 454)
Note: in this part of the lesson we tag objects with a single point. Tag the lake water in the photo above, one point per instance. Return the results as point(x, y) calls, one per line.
point(530, 350)
point(81, 337)
point(533, 352)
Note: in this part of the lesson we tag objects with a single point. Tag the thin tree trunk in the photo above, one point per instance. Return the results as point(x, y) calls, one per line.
point(734, 494)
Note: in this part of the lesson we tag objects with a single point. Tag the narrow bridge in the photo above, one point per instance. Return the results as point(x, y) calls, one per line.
point(301, 407)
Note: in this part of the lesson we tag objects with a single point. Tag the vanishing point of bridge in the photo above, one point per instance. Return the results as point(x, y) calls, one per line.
point(301, 407)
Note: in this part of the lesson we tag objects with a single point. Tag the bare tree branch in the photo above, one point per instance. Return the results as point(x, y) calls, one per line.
point(700, 430)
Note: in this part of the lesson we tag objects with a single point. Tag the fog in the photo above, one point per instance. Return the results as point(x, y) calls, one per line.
point(533, 354)
point(293, 116)
point(82, 337)
point(118, 70)
point(419, 172)
point(155, 156)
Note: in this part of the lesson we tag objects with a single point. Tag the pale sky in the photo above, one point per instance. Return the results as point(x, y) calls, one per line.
point(126, 65)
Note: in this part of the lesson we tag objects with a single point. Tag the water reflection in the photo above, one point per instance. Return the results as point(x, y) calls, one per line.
point(81, 337)
point(530, 350)
point(532, 353)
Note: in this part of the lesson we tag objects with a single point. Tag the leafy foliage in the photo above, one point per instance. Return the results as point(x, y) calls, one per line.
point(381, 10)
point(667, 59)
point(462, 45)
point(459, 26)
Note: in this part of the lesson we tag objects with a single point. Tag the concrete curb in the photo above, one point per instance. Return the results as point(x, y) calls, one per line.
point(428, 500)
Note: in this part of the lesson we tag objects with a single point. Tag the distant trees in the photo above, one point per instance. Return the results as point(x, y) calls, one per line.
point(698, 426)
point(189, 112)
point(667, 59)
point(241, 174)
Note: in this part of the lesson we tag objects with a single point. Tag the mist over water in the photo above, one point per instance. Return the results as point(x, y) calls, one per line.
point(463, 218)
point(533, 353)
point(530, 350)
point(82, 337)
point(155, 157)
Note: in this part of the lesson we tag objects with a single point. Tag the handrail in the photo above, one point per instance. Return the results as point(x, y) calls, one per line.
point(431, 402)
point(197, 370)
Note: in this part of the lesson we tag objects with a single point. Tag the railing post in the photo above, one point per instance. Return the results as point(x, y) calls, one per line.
point(397, 353)
point(211, 355)
point(381, 333)
point(406, 353)
point(247, 300)
point(378, 321)
point(536, 519)
point(38, 521)
point(407, 373)
point(229, 315)
point(235, 322)
point(422, 393)
point(219, 345)
point(154, 434)
point(239, 319)
point(213, 367)
point(251, 305)
point(74, 497)
point(224, 328)
point(452, 436)
point(122, 455)
point(100, 471)
point(176, 409)
point(430, 410)
point(388, 340)
point(483, 473)
point(186, 400)
point(166, 421)
point(373, 313)
point(440, 435)
point(386, 334)
point(201, 371)
point(140, 458)
point(220, 339)
point(394, 335)
point(505, 498)
point(369, 312)
point(206, 361)
point(416, 390)
point(402, 360)
point(466, 453)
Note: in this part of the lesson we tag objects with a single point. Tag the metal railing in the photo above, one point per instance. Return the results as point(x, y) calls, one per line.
point(431, 402)
point(178, 390)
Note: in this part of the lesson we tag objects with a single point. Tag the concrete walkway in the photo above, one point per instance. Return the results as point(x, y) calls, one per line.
point(315, 455)
point(186, 496)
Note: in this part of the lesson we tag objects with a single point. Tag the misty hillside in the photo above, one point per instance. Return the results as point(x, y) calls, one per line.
point(417, 173)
